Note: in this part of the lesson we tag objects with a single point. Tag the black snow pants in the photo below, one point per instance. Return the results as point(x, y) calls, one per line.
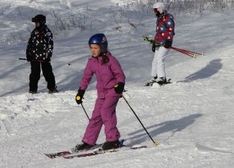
point(35, 75)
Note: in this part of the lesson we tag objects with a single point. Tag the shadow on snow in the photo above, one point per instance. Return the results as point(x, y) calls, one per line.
point(172, 126)
point(212, 68)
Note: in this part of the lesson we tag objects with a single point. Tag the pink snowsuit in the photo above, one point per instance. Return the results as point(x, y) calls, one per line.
point(104, 113)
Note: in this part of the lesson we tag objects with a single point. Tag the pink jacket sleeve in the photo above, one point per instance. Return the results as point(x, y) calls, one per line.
point(117, 70)
point(87, 76)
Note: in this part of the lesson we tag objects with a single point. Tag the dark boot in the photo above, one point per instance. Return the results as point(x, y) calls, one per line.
point(151, 81)
point(161, 81)
point(32, 91)
point(81, 147)
point(54, 90)
point(110, 145)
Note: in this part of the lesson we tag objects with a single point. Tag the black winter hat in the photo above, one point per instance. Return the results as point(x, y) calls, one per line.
point(39, 18)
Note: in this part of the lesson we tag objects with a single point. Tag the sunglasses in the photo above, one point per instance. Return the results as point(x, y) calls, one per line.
point(155, 10)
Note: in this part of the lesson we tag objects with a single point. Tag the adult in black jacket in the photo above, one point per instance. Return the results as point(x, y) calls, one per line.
point(39, 52)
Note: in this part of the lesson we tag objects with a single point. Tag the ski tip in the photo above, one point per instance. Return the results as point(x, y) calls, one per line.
point(51, 156)
point(58, 154)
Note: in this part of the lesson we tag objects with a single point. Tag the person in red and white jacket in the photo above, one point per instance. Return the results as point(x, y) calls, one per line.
point(165, 27)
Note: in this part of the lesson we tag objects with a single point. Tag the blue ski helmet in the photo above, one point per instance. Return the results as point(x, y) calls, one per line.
point(101, 40)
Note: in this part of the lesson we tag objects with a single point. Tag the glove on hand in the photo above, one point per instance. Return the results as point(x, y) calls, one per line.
point(29, 58)
point(28, 55)
point(79, 96)
point(47, 59)
point(155, 45)
point(168, 44)
point(119, 87)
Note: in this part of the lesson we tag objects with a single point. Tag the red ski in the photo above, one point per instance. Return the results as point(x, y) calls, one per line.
point(99, 151)
point(95, 150)
point(57, 154)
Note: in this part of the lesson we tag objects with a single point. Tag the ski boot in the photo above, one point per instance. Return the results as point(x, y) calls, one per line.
point(151, 81)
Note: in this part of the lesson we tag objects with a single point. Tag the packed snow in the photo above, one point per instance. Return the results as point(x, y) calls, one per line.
point(191, 119)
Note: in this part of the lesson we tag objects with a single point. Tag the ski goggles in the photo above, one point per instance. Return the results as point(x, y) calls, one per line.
point(155, 10)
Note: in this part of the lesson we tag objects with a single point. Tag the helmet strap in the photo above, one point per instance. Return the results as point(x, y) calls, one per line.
point(41, 27)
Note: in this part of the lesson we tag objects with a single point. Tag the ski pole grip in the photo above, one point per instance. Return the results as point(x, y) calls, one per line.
point(22, 59)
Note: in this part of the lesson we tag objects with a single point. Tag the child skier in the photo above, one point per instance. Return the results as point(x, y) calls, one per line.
point(164, 36)
point(110, 85)
point(38, 53)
